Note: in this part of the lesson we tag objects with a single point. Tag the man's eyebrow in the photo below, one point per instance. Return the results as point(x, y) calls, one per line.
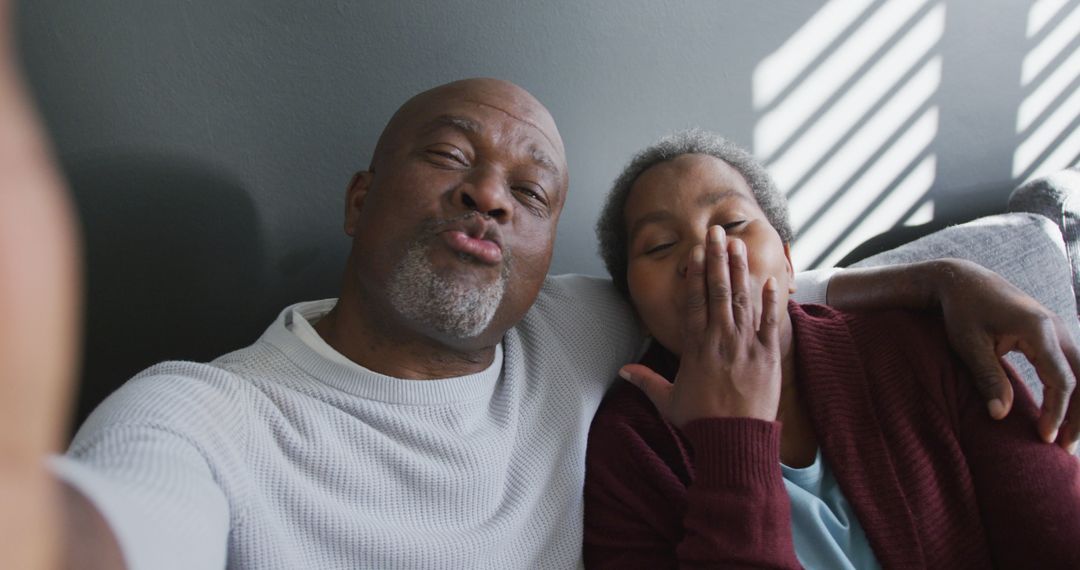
point(544, 161)
point(653, 217)
point(454, 121)
point(467, 125)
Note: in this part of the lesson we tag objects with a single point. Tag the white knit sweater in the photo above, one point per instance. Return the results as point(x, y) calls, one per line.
point(276, 456)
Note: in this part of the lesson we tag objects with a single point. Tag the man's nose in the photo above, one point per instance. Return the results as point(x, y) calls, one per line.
point(486, 191)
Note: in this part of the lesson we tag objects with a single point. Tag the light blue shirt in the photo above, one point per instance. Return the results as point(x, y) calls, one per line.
point(827, 534)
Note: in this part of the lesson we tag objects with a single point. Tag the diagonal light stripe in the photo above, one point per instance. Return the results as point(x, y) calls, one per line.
point(1039, 57)
point(776, 126)
point(866, 141)
point(1055, 84)
point(1040, 14)
point(887, 214)
point(869, 187)
point(829, 129)
point(780, 68)
point(1062, 156)
point(924, 215)
point(1044, 135)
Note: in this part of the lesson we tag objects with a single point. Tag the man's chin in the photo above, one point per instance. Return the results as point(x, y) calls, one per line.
point(456, 298)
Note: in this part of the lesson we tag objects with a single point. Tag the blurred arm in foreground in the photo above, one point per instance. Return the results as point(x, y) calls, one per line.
point(39, 323)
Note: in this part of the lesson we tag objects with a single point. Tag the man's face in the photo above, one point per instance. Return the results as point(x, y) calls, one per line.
point(669, 211)
point(454, 226)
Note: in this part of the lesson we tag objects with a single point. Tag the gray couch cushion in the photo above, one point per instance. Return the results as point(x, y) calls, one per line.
point(1026, 249)
point(1056, 196)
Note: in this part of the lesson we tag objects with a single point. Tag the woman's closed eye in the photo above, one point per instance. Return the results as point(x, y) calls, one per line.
point(658, 248)
point(733, 226)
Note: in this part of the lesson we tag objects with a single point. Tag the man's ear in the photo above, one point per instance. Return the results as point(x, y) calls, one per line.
point(790, 269)
point(354, 199)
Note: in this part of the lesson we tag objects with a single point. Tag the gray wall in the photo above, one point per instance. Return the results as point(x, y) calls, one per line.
point(209, 142)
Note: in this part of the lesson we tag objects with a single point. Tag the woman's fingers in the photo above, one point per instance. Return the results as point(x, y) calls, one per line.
point(729, 304)
point(729, 367)
point(721, 323)
point(657, 388)
point(742, 306)
point(696, 317)
point(771, 311)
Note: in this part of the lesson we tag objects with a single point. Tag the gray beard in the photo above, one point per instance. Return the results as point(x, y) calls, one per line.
point(421, 295)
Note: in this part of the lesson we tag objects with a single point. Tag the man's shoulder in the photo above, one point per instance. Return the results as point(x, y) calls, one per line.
point(578, 287)
point(223, 376)
point(584, 320)
point(582, 301)
point(188, 398)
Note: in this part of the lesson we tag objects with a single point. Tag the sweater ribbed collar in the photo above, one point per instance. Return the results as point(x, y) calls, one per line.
point(355, 379)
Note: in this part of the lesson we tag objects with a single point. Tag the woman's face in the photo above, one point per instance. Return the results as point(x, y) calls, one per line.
point(670, 209)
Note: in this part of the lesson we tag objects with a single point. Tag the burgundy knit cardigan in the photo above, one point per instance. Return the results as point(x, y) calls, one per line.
point(934, 481)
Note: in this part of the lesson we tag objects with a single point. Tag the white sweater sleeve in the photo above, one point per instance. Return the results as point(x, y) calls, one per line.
point(155, 459)
point(157, 493)
point(812, 287)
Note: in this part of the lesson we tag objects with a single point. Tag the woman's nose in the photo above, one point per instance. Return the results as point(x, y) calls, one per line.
point(700, 238)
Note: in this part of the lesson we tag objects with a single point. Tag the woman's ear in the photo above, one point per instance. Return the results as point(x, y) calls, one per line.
point(790, 268)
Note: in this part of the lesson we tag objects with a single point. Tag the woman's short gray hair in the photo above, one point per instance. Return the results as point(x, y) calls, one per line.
point(611, 227)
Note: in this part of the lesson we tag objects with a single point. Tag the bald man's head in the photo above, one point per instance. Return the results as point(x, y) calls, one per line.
point(454, 224)
point(505, 96)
